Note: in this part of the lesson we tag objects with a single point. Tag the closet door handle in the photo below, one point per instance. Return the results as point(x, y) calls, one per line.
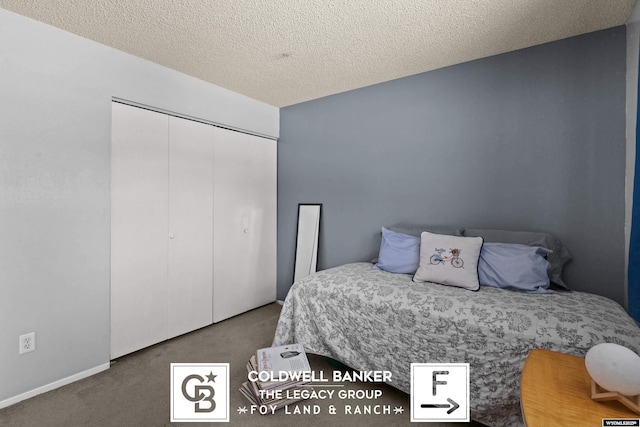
point(172, 236)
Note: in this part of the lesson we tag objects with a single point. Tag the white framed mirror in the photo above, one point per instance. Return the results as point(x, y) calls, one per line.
point(307, 235)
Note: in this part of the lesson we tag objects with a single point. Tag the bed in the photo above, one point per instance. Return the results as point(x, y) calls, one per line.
point(370, 319)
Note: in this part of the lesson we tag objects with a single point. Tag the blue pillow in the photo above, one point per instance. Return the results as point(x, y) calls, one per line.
point(399, 253)
point(514, 266)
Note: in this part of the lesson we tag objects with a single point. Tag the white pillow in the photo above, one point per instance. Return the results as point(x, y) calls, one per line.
point(449, 260)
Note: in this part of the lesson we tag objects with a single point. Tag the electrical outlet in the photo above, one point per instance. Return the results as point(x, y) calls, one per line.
point(27, 342)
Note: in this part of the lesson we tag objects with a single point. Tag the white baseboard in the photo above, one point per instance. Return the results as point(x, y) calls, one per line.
point(53, 385)
point(280, 302)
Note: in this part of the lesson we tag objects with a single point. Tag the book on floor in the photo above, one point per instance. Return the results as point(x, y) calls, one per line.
point(286, 358)
point(273, 392)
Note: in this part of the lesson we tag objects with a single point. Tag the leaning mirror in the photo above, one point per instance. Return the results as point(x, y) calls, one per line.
point(306, 259)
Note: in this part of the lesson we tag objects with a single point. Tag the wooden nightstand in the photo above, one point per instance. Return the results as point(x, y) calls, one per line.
point(556, 391)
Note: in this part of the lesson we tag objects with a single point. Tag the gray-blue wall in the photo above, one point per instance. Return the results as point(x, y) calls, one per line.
point(528, 140)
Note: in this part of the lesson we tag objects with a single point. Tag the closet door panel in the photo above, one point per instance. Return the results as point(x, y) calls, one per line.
point(190, 236)
point(262, 176)
point(139, 196)
point(244, 223)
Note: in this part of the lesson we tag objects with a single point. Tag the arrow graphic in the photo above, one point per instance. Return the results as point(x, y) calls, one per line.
point(453, 405)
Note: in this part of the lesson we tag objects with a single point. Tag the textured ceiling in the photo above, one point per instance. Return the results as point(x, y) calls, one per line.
point(284, 52)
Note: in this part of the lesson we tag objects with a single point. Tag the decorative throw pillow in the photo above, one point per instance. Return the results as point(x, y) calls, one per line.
point(514, 266)
point(399, 253)
point(449, 260)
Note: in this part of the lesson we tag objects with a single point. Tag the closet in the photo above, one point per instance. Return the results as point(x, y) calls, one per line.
point(193, 225)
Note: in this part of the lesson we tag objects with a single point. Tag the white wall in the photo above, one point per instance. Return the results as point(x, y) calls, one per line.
point(55, 105)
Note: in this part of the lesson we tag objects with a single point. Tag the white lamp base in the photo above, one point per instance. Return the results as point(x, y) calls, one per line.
point(600, 395)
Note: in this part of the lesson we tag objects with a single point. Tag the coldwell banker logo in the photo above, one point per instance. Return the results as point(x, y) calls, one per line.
point(200, 392)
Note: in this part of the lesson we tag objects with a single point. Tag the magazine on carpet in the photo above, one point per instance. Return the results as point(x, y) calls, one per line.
point(276, 394)
point(287, 358)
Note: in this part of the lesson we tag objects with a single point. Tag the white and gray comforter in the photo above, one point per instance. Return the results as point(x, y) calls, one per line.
point(374, 320)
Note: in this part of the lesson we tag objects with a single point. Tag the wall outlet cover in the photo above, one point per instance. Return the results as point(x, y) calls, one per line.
point(27, 342)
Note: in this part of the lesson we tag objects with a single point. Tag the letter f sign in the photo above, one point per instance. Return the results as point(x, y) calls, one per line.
point(436, 382)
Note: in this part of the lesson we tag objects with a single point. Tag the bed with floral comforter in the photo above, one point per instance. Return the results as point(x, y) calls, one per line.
point(373, 320)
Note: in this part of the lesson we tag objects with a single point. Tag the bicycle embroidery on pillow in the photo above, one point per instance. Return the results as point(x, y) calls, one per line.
point(453, 256)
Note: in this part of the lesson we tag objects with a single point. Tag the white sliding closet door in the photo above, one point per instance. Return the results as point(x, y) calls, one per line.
point(193, 226)
point(139, 197)
point(190, 225)
point(244, 223)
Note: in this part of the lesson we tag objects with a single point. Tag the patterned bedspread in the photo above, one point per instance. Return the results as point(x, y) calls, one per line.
point(374, 320)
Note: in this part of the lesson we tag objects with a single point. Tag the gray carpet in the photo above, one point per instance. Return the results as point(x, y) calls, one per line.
point(135, 390)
